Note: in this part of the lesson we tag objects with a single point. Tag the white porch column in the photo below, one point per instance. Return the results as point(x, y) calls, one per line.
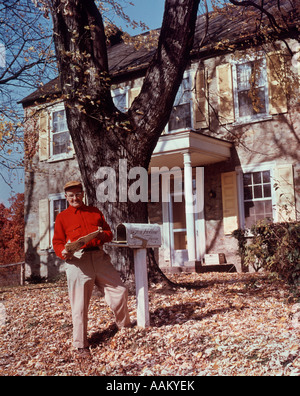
point(189, 212)
point(199, 215)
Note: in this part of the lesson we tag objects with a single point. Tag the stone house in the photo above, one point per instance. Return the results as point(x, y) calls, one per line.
point(232, 143)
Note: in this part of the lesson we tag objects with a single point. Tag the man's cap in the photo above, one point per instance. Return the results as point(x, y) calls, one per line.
point(72, 184)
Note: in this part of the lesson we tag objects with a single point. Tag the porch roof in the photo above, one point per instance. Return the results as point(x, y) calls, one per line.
point(204, 149)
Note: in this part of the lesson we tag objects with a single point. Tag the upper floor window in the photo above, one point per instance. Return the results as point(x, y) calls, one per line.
point(184, 108)
point(55, 142)
point(119, 97)
point(181, 116)
point(250, 85)
point(60, 136)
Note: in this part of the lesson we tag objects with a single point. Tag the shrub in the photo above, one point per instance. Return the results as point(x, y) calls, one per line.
point(274, 247)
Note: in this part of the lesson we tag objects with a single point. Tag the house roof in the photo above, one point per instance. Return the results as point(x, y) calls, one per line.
point(227, 28)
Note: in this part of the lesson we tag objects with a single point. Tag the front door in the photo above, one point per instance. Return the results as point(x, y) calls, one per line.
point(178, 235)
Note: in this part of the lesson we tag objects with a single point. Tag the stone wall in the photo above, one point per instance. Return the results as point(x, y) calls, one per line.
point(41, 180)
point(11, 274)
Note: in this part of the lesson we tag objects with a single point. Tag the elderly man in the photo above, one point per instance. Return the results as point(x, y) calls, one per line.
point(89, 266)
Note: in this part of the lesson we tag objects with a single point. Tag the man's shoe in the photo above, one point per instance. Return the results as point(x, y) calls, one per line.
point(84, 352)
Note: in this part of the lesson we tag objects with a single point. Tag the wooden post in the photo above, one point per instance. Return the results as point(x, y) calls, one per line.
point(22, 278)
point(141, 285)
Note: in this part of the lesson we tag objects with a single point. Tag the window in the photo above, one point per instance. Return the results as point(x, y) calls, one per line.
point(181, 116)
point(257, 197)
point(58, 203)
point(266, 191)
point(120, 99)
point(58, 206)
point(179, 224)
point(60, 137)
point(250, 90)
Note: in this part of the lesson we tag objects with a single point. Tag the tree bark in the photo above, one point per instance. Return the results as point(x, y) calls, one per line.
point(101, 134)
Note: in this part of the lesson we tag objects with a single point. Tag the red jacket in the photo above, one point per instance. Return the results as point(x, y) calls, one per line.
point(74, 223)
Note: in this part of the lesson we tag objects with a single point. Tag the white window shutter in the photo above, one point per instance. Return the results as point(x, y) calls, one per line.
point(230, 202)
point(133, 93)
point(201, 102)
point(285, 193)
point(44, 224)
point(276, 74)
point(44, 148)
point(225, 93)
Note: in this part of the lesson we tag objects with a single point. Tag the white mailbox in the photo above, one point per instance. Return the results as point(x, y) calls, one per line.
point(138, 236)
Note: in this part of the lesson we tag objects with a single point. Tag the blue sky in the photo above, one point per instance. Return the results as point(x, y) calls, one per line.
point(17, 182)
point(149, 12)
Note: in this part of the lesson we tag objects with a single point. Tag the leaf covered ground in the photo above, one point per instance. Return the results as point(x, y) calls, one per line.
point(232, 324)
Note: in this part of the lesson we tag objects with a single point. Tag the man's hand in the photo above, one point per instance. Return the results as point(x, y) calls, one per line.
point(101, 234)
point(66, 255)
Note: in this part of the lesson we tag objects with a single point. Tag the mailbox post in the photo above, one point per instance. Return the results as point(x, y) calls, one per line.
point(141, 287)
point(139, 237)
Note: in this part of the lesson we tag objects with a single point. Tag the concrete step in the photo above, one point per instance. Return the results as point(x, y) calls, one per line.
point(216, 268)
point(199, 268)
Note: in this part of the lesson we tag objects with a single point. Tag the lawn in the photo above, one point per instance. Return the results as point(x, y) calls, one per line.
point(231, 324)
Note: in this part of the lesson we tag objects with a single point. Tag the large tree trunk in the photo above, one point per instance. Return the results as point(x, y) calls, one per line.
point(101, 134)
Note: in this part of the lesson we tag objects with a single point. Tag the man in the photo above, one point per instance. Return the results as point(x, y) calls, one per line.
point(89, 266)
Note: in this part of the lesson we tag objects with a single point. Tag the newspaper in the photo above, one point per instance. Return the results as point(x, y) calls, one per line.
point(72, 247)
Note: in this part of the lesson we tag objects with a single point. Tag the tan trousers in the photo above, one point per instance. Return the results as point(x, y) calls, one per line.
point(82, 274)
